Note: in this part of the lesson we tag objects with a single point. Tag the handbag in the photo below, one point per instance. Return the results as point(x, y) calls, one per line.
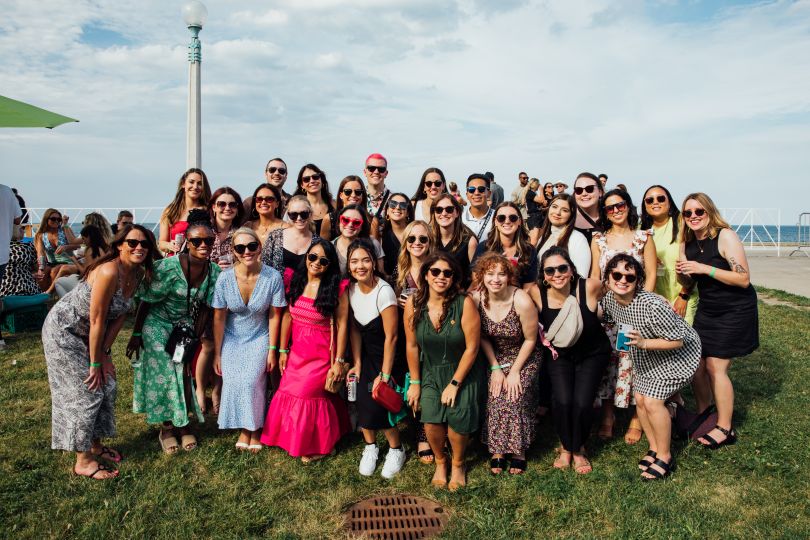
point(567, 327)
point(183, 340)
point(332, 384)
point(690, 425)
point(388, 397)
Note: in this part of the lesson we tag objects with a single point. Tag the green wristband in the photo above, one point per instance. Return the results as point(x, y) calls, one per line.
point(385, 376)
point(272, 348)
point(284, 350)
point(415, 382)
point(711, 274)
point(136, 334)
point(95, 364)
point(495, 368)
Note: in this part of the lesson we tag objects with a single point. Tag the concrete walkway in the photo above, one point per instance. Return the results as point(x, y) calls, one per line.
point(789, 274)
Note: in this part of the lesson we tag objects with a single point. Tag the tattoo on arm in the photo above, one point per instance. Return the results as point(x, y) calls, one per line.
point(737, 267)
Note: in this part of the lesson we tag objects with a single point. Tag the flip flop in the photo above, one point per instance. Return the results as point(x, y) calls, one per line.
point(101, 467)
point(426, 456)
point(110, 454)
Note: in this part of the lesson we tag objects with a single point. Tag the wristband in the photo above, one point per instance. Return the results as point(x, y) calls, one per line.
point(340, 360)
point(272, 348)
point(711, 274)
point(284, 351)
point(495, 367)
point(385, 376)
point(136, 334)
point(95, 364)
point(414, 381)
point(684, 295)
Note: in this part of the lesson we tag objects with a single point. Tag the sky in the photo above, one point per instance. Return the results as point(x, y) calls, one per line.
point(696, 95)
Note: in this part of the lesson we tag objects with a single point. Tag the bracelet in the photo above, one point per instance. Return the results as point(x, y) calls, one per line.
point(415, 381)
point(95, 364)
point(272, 348)
point(495, 367)
point(711, 274)
point(283, 351)
point(136, 334)
point(340, 360)
point(385, 376)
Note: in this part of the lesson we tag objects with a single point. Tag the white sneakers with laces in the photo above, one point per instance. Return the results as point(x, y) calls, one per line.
point(369, 460)
point(394, 460)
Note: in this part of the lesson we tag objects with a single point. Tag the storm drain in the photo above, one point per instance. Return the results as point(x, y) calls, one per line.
point(395, 517)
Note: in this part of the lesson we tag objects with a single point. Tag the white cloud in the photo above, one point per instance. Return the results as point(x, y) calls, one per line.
point(271, 17)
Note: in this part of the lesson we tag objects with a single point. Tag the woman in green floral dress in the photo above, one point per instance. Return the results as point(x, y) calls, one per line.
point(182, 288)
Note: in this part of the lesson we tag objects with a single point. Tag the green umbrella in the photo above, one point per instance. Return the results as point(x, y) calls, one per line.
point(15, 114)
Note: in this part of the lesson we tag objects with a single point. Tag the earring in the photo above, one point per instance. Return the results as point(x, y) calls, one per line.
point(572, 278)
point(545, 283)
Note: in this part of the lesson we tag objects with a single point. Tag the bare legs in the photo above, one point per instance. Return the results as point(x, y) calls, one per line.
point(657, 425)
point(721, 387)
point(87, 464)
point(391, 435)
point(203, 372)
point(437, 434)
point(702, 387)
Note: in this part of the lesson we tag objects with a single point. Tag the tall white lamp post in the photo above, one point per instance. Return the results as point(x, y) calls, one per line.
point(194, 15)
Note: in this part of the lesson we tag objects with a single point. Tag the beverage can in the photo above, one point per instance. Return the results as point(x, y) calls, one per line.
point(179, 240)
point(351, 388)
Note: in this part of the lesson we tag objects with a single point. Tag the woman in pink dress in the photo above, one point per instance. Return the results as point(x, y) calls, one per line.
point(303, 418)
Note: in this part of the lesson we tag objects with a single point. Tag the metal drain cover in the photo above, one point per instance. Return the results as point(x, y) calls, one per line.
point(395, 517)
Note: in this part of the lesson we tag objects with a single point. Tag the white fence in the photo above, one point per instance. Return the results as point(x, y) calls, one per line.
point(142, 214)
point(803, 234)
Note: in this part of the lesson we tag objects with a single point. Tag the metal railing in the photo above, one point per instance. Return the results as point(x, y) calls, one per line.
point(803, 232)
point(149, 215)
point(758, 228)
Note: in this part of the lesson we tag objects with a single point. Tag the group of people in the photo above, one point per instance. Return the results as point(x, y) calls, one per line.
point(474, 325)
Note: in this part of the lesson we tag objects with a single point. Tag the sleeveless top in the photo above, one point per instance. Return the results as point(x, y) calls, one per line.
point(715, 296)
point(593, 338)
point(462, 256)
point(636, 249)
point(50, 249)
point(446, 345)
point(390, 246)
point(505, 335)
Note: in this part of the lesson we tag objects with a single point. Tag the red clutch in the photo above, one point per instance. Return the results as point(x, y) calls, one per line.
point(386, 396)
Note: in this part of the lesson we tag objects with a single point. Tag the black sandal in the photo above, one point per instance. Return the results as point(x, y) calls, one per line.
point(110, 454)
point(668, 469)
point(497, 463)
point(643, 463)
point(519, 464)
point(425, 454)
point(731, 438)
point(101, 467)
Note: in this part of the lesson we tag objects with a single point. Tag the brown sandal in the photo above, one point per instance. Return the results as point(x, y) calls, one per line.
point(453, 485)
point(634, 431)
point(440, 483)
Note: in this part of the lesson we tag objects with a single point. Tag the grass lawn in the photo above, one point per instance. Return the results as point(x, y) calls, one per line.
point(756, 489)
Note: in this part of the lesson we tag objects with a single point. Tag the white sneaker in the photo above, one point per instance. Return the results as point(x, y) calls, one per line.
point(2, 344)
point(369, 460)
point(394, 460)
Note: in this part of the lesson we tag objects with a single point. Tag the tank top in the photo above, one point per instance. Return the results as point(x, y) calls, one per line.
point(716, 296)
point(593, 338)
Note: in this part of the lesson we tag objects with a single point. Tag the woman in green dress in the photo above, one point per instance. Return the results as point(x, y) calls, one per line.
point(661, 214)
point(442, 329)
point(180, 293)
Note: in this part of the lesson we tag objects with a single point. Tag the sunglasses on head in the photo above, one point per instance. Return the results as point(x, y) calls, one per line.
point(250, 246)
point(376, 168)
point(55, 218)
point(617, 276)
point(351, 222)
point(586, 189)
point(132, 243)
point(323, 261)
point(445, 272)
point(413, 238)
point(394, 205)
point(433, 183)
point(230, 204)
point(699, 212)
point(479, 189)
point(269, 199)
point(311, 178)
point(503, 217)
point(356, 192)
point(562, 269)
point(281, 170)
point(302, 215)
point(618, 207)
point(659, 198)
point(443, 210)
point(197, 242)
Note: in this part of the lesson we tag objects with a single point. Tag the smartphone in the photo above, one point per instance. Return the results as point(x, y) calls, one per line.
point(621, 337)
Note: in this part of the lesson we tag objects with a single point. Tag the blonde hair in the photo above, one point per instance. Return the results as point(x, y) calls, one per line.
point(716, 221)
point(100, 222)
point(247, 231)
point(404, 259)
point(43, 225)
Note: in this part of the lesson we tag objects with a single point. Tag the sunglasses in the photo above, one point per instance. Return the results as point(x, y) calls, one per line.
point(354, 223)
point(433, 183)
point(125, 223)
point(562, 269)
point(659, 198)
point(197, 242)
point(435, 272)
point(618, 207)
point(617, 276)
point(269, 199)
point(54, 218)
point(376, 168)
point(233, 205)
point(479, 189)
point(132, 243)
point(311, 178)
point(699, 212)
point(503, 217)
point(356, 192)
point(323, 261)
point(281, 170)
point(523, 177)
point(586, 189)
point(303, 215)
point(397, 205)
point(413, 238)
point(443, 210)
point(250, 246)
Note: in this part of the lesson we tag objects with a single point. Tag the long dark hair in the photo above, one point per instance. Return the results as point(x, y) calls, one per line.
point(95, 239)
point(524, 250)
point(254, 214)
point(461, 233)
point(631, 262)
point(674, 213)
point(115, 251)
point(327, 299)
point(366, 245)
point(420, 297)
point(545, 230)
point(240, 208)
point(365, 228)
point(178, 204)
point(559, 252)
point(420, 191)
point(351, 178)
point(326, 195)
point(408, 211)
point(632, 213)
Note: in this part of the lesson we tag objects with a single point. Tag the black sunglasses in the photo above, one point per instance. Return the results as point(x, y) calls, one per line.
point(54, 218)
point(197, 242)
point(433, 183)
point(445, 272)
point(304, 215)
point(230, 204)
point(659, 198)
point(479, 189)
point(617, 276)
point(413, 238)
point(250, 246)
point(348, 192)
point(375, 168)
point(698, 212)
point(503, 217)
point(443, 209)
point(398, 205)
point(132, 243)
point(281, 170)
point(269, 199)
point(618, 207)
point(323, 261)
point(311, 178)
point(562, 269)
point(586, 189)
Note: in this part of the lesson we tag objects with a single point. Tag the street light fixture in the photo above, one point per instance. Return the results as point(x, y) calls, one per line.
point(194, 15)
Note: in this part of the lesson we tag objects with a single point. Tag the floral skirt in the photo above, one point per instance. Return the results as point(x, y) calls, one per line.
point(617, 382)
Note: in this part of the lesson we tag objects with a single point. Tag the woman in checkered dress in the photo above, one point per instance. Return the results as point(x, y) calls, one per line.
point(665, 353)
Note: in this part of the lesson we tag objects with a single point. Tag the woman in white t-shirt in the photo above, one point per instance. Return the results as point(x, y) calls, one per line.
point(374, 332)
point(353, 223)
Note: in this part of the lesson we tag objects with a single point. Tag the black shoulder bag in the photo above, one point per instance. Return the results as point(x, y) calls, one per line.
point(184, 341)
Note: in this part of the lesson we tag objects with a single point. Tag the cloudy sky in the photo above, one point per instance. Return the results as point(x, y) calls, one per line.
point(710, 95)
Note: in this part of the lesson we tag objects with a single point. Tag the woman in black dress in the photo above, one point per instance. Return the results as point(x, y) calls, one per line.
point(452, 236)
point(727, 319)
point(398, 214)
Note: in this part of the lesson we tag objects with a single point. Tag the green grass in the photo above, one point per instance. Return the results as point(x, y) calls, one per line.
point(756, 489)
point(790, 298)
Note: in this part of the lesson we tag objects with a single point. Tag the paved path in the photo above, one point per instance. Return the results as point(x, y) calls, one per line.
point(789, 274)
